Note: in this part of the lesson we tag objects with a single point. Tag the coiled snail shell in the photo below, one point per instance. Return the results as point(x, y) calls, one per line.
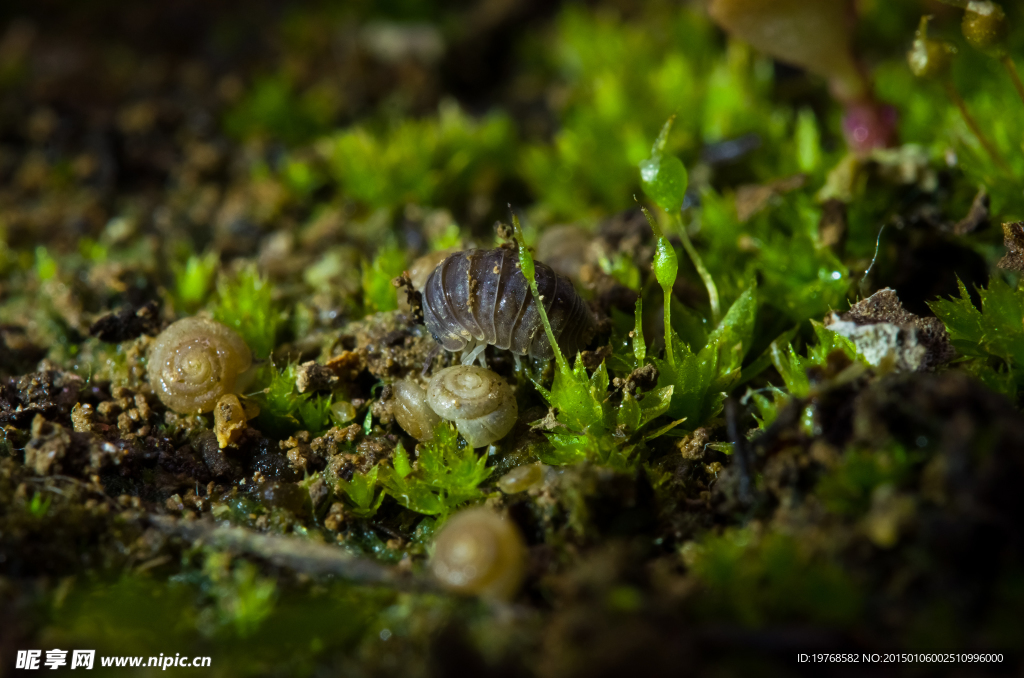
point(521, 478)
point(479, 552)
point(480, 297)
point(194, 362)
point(411, 410)
point(480, 403)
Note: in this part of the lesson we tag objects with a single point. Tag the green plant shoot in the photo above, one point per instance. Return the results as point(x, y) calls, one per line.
point(446, 475)
point(361, 492)
point(666, 268)
point(664, 180)
point(526, 265)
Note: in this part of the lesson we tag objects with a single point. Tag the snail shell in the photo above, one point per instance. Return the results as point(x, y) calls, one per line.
point(480, 403)
point(194, 362)
point(411, 410)
point(521, 478)
point(479, 552)
point(480, 297)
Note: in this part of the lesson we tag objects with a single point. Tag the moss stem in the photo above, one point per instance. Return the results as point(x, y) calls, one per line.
point(1011, 68)
point(702, 271)
point(955, 97)
point(527, 267)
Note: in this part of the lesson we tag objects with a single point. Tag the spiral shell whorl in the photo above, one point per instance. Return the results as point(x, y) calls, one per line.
point(481, 403)
point(194, 362)
point(479, 552)
point(411, 410)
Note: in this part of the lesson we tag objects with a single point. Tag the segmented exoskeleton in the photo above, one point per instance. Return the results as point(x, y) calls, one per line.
point(480, 297)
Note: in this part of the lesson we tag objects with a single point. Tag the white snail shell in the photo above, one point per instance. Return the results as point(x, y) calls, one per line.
point(481, 403)
point(479, 552)
point(411, 410)
point(194, 362)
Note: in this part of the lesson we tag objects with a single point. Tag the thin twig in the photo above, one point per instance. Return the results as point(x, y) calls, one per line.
point(741, 453)
point(293, 553)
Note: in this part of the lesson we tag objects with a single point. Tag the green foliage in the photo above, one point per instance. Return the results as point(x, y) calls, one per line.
point(378, 292)
point(663, 177)
point(702, 379)
point(245, 303)
point(757, 579)
point(621, 81)
point(46, 265)
point(243, 598)
point(39, 505)
point(598, 430)
point(363, 500)
point(793, 368)
point(780, 247)
point(427, 161)
point(996, 331)
point(283, 410)
point(447, 474)
point(272, 108)
point(846, 490)
point(255, 624)
point(582, 401)
point(529, 272)
point(193, 281)
point(928, 117)
point(767, 408)
point(628, 348)
point(451, 236)
point(622, 268)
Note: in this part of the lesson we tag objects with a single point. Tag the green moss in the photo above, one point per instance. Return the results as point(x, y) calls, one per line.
point(427, 162)
point(193, 281)
point(362, 494)
point(245, 303)
point(273, 108)
point(283, 410)
point(243, 598)
point(847, 488)
point(755, 578)
point(622, 80)
point(793, 367)
point(994, 333)
point(447, 473)
point(378, 292)
point(46, 265)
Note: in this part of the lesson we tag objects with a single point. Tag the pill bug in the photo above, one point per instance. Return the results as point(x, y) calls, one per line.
point(477, 298)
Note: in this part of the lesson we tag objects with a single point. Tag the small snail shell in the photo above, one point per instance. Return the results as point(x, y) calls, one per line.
point(521, 478)
point(477, 551)
point(480, 403)
point(194, 362)
point(411, 410)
